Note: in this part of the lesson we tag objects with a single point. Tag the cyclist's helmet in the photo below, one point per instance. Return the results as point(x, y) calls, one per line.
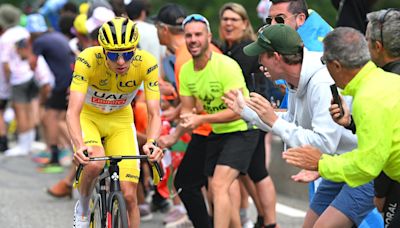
point(119, 34)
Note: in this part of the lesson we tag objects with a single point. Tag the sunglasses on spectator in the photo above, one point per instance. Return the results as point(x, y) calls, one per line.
point(196, 17)
point(278, 19)
point(113, 56)
point(261, 36)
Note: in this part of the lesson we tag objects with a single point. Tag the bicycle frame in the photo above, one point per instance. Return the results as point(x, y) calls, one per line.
point(107, 197)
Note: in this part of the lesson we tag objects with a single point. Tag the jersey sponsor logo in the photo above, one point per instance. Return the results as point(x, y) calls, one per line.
point(99, 58)
point(152, 68)
point(137, 58)
point(84, 61)
point(108, 99)
point(214, 109)
point(78, 79)
point(153, 86)
point(91, 142)
point(97, 100)
point(207, 99)
point(103, 82)
point(131, 83)
point(128, 175)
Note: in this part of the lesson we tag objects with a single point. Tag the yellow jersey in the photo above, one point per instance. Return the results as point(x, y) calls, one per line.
point(107, 91)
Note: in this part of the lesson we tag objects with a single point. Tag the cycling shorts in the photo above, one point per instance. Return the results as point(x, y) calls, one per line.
point(115, 132)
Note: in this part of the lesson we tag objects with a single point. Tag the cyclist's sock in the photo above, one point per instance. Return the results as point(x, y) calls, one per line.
point(83, 206)
point(54, 154)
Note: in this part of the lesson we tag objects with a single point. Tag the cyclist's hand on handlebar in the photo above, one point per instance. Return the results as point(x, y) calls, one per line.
point(79, 157)
point(155, 155)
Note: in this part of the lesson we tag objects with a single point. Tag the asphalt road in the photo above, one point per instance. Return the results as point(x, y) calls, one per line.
point(24, 202)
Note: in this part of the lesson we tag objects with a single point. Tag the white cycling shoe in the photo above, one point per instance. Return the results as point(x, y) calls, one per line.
point(79, 220)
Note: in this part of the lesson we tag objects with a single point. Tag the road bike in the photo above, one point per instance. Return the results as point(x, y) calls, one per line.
point(107, 204)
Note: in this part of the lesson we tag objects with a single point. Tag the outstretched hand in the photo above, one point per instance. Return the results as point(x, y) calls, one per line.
point(305, 176)
point(234, 100)
point(305, 157)
point(263, 108)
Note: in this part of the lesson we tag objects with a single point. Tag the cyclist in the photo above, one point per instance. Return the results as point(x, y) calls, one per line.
point(106, 78)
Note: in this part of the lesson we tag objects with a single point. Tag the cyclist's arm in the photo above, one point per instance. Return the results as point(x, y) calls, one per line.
point(154, 119)
point(76, 101)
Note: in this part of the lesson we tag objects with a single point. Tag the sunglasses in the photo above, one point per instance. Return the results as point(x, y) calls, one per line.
point(266, 42)
point(277, 19)
point(196, 17)
point(113, 56)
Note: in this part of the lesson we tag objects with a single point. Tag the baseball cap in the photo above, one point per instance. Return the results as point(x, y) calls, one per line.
point(36, 23)
point(80, 25)
point(171, 14)
point(279, 37)
point(9, 16)
point(99, 17)
point(135, 8)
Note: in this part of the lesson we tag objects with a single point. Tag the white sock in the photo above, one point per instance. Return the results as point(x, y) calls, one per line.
point(83, 205)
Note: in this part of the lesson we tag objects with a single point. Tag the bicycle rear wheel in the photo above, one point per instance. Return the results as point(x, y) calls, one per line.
point(119, 216)
point(96, 213)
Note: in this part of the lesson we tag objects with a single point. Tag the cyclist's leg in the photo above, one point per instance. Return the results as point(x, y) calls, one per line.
point(92, 139)
point(121, 140)
point(129, 190)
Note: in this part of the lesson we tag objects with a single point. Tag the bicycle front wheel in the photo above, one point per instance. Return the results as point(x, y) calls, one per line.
point(97, 219)
point(119, 216)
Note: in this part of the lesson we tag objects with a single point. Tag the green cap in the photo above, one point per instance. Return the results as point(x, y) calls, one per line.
point(279, 37)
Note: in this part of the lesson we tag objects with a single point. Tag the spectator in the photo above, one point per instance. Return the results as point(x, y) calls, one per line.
point(54, 47)
point(232, 142)
point(18, 72)
point(307, 121)
point(236, 32)
point(376, 106)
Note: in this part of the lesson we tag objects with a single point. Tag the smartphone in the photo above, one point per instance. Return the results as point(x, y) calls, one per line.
point(336, 99)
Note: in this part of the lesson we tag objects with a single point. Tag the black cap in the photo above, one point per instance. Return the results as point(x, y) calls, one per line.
point(135, 8)
point(171, 14)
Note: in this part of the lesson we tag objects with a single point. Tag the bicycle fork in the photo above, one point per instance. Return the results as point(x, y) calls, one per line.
point(114, 187)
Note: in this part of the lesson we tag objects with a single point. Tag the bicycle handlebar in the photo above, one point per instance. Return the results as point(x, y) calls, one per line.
point(105, 158)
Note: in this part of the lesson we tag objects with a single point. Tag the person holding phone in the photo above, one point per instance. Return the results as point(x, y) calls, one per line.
point(307, 121)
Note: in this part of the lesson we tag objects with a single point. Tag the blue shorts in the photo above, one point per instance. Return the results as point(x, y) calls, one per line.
point(355, 203)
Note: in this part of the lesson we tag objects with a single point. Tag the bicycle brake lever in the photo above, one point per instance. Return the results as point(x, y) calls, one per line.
point(160, 171)
point(80, 167)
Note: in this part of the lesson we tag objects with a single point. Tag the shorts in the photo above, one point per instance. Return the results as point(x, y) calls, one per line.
point(233, 149)
point(25, 92)
point(57, 100)
point(258, 169)
point(355, 203)
point(3, 104)
point(117, 132)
